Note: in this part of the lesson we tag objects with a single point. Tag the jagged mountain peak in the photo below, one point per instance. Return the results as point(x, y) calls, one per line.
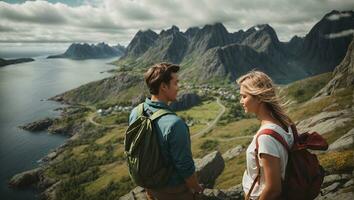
point(174, 28)
point(327, 41)
point(209, 36)
point(145, 32)
point(215, 27)
point(171, 31)
point(102, 44)
point(295, 37)
point(263, 29)
point(301, 56)
point(119, 46)
point(191, 32)
point(333, 23)
point(141, 42)
point(262, 38)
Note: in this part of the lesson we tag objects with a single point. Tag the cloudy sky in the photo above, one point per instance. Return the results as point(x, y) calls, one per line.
point(116, 21)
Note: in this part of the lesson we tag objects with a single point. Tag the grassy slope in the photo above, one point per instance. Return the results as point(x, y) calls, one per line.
point(303, 90)
point(198, 115)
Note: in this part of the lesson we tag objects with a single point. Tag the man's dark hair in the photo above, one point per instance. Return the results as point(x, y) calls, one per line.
point(159, 73)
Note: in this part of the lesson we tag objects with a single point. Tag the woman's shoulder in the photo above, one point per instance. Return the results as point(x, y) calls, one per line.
point(286, 134)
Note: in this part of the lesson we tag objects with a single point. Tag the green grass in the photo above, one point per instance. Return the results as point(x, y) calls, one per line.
point(110, 173)
point(338, 162)
point(79, 149)
point(206, 111)
point(223, 135)
point(111, 135)
point(209, 145)
point(338, 101)
point(113, 119)
point(201, 114)
point(123, 98)
point(303, 90)
point(233, 172)
point(239, 128)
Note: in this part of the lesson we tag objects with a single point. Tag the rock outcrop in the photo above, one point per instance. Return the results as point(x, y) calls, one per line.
point(39, 125)
point(233, 193)
point(209, 168)
point(337, 186)
point(325, 122)
point(25, 179)
point(343, 75)
point(344, 142)
point(232, 153)
point(185, 101)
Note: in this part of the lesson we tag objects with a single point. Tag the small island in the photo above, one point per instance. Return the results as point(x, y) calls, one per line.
point(4, 62)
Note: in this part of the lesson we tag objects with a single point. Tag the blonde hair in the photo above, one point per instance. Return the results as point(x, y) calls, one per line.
point(260, 85)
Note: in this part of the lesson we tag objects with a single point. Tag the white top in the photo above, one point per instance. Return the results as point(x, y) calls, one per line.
point(267, 145)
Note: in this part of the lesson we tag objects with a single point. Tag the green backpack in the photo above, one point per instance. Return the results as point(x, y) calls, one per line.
point(147, 167)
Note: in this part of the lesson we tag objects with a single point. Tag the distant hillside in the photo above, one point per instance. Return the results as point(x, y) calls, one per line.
point(86, 51)
point(119, 89)
point(211, 53)
point(4, 62)
point(343, 75)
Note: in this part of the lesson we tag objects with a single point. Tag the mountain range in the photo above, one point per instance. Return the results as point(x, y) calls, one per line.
point(211, 53)
point(87, 51)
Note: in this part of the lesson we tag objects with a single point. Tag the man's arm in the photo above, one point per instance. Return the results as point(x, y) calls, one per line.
point(180, 149)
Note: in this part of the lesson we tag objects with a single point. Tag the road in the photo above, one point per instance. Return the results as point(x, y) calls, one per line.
point(213, 124)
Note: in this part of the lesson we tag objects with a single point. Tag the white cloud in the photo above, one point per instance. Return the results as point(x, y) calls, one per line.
point(340, 34)
point(116, 21)
point(338, 16)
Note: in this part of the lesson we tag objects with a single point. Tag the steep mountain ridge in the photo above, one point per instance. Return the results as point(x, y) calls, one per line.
point(319, 51)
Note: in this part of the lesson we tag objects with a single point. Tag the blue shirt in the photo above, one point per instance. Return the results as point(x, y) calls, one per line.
point(174, 138)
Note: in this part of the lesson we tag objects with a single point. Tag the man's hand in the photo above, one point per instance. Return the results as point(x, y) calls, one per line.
point(192, 183)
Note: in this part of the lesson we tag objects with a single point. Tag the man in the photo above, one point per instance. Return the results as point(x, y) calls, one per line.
point(173, 135)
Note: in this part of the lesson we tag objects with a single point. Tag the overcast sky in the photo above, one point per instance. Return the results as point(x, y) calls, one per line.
point(117, 21)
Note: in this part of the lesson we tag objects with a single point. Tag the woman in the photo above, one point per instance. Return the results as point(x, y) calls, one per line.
point(258, 96)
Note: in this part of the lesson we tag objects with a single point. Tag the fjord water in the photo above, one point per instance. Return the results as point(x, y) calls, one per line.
point(22, 87)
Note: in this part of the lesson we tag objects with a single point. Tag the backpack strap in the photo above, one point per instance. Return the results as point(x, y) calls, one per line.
point(155, 115)
point(275, 135)
point(280, 139)
point(295, 133)
point(160, 113)
point(140, 109)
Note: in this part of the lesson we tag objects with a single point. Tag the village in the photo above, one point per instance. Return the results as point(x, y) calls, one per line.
point(205, 90)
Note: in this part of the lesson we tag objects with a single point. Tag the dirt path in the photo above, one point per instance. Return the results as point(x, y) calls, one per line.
point(200, 133)
point(213, 124)
point(234, 138)
point(90, 119)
